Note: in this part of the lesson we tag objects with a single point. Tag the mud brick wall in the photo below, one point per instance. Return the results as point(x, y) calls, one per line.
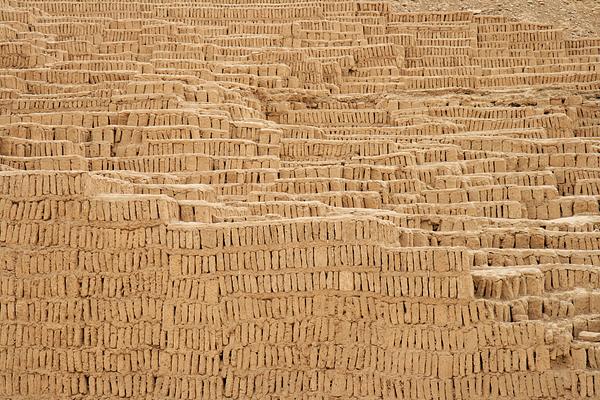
point(274, 199)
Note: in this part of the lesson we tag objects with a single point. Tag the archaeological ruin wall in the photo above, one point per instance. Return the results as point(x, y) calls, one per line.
point(276, 199)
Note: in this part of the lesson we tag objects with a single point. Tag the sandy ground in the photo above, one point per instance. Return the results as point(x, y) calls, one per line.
point(579, 17)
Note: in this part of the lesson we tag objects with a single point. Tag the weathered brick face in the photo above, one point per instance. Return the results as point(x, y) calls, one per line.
point(276, 199)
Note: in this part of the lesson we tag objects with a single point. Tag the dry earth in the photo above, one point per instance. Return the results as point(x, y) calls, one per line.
point(581, 17)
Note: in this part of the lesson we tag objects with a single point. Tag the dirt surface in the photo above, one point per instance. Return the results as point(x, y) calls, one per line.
point(579, 17)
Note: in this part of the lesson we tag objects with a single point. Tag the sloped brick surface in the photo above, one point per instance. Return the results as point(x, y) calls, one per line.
point(276, 199)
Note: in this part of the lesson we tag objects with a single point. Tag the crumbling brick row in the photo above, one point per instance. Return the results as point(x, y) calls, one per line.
point(512, 257)
point(353, 171)
point(320, 185)
point(177, 191)
point(231, 13)
point(202, 211)
point(519, 238)
point(172, 117)
point(124, 135)
point(61, 260)
point(56, 163)
point(329, 228)
point(73, 77)
point(568, 176)
point(86, 237)
point(298, 148)
point(229, 147)
point(180, 163)
point(336, 117)
point(568, 277)
point(90, 119)
point(35, 184)
point(347, 199)
point(495, 209)
point(286, 209)
point(478, 193)
point(29, 148)
point(65, 104)
point(432, 17)
point(229, 176)
point(538, 79)
point(100, 208)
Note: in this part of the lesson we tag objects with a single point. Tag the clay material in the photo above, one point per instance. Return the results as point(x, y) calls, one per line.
point(296, 200)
